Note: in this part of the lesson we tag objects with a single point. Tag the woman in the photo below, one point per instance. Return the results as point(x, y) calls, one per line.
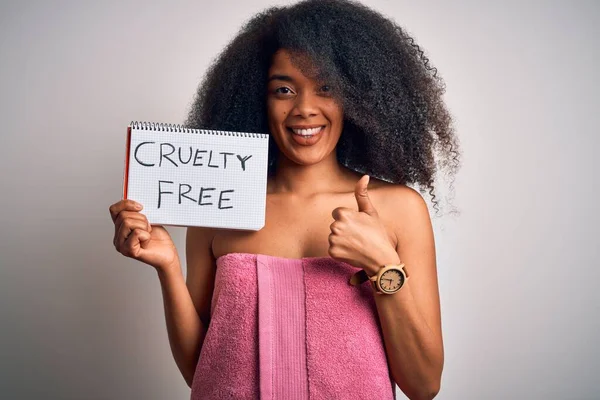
point(343, 92)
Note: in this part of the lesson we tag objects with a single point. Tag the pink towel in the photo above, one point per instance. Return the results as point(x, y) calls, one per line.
point(291, 329)
point(228, 363)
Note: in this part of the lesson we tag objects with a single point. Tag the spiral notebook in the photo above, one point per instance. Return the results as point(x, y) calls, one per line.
point(197, 177)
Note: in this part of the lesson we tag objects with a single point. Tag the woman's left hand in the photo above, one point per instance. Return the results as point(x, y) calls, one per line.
point(359, 238)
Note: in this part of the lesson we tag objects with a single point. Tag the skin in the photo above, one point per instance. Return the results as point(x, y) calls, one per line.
point(315, 207)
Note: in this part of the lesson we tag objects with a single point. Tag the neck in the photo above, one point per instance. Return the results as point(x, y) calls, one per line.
point(325, 176)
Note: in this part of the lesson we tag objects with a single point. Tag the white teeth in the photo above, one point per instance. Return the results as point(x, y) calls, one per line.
point(307, 132)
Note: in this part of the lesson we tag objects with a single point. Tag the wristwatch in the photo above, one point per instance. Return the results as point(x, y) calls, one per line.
point(388, 280)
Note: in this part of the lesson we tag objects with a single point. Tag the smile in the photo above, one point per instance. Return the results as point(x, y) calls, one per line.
point(306, 132)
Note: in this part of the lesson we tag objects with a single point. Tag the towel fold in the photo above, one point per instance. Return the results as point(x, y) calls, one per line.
point(281, 329)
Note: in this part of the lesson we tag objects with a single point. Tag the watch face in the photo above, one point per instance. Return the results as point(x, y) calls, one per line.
point(391, 280)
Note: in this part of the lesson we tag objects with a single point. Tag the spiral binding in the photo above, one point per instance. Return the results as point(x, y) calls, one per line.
point(155, 126)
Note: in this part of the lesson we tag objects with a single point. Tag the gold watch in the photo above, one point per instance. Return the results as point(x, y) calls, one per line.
point(388, 280)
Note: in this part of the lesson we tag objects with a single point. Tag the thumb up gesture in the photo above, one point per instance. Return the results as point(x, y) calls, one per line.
point(359, 238)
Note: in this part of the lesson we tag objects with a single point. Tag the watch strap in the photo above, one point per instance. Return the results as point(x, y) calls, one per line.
point(359, 278)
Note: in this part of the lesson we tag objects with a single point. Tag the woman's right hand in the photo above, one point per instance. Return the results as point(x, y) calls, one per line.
point(136, 238)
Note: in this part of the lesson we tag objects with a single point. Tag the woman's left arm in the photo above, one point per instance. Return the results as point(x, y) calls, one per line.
point(410, 318)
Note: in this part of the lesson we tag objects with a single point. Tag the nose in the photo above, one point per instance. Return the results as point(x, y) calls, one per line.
point(305, 105)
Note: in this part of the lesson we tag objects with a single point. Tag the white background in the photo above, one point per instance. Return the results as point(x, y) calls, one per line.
point(518, 268)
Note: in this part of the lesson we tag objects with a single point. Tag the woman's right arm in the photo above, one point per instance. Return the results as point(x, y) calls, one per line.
point(184, 303)
point(187, 303)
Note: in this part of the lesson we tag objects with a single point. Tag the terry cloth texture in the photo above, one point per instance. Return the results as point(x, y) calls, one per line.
point(286, 328)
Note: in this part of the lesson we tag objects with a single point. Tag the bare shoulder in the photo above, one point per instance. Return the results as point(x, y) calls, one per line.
point(396, 198)
point(402, 208)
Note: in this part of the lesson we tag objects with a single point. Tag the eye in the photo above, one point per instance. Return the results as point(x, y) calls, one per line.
point(283, 90)
point(325, 90)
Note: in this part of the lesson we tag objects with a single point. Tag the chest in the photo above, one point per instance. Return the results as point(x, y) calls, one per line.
point(294, 228)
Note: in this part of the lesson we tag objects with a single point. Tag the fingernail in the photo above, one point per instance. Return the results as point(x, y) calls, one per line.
point(138, 206)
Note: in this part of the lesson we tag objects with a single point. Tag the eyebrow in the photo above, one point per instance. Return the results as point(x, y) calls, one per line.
point(284, 78)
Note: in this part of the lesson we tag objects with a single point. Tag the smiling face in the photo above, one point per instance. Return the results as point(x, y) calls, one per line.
point(304, 118)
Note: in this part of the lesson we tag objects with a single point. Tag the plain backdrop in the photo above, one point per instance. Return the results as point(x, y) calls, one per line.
point(518, 267)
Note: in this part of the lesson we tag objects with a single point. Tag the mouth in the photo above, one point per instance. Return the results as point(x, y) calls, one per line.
point(306, 131)
point(306, 135)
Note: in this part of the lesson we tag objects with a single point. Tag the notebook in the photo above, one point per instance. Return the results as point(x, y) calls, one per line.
point(197, 177)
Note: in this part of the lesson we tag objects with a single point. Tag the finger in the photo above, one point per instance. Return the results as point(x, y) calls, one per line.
point(330, 239)
point(341, 212)
point(335, 228)
point(334, 250)
point(132, 247)
point(122, 205)
point(126, 228)
point(125, 215)
point(362, 196)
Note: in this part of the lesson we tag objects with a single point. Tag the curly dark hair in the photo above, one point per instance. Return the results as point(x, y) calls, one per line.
point(396, 125)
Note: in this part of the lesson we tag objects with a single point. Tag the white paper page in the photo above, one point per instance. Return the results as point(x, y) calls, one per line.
point(208, 187)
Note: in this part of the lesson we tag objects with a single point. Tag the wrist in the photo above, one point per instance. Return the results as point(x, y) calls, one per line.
point(389, 258)
point(173, 267)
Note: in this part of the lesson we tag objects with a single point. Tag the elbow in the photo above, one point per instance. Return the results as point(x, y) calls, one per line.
point(425, 385)
point(426, 389)
point(190, 373)
point(430, 393)
point(189, 378)
point(423, 393)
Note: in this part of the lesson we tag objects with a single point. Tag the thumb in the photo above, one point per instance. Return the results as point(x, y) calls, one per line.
point(362, 196)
